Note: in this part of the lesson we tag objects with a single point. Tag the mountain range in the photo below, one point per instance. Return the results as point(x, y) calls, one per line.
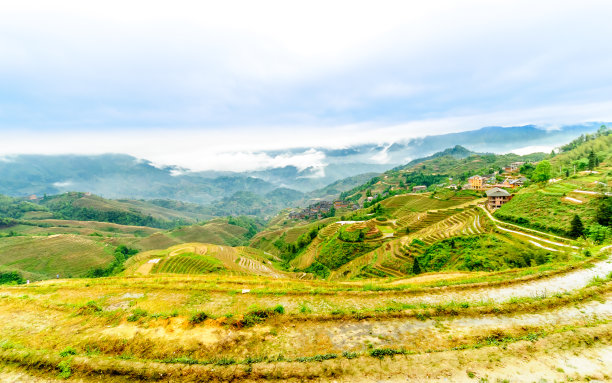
point(124, 176)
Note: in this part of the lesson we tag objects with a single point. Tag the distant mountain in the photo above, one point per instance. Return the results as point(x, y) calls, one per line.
point(248, 203)
point(333, 190)
point(122, 176)
point(117, 176)
point(458, 152)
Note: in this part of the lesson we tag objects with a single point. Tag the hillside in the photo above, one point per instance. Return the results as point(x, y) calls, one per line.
point(242, 299)
point(551, 206)
point(333, 190)
point(116, 176)
point(444, 229)
point(44, 257)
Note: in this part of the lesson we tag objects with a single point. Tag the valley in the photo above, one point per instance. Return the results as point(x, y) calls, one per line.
point(414, 276)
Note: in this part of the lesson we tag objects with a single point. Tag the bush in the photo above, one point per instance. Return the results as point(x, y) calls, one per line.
point(380, 353)
point(11, 277)
point(136, 315)
point(198, 317)
point(67, 352)
point(89, 308)
point(258, 315)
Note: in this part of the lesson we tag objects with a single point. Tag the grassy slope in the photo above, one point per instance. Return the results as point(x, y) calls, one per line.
point(44, 248)
point(44, 257)
point(546, 207)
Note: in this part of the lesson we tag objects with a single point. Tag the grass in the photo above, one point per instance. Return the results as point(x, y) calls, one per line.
point(45, 257)
point(194, 322)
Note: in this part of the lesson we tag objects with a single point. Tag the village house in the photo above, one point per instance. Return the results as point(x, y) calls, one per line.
point(419, 188)
point(340, 204)
point(496, 197)
point(477, 182)
point(515, 166)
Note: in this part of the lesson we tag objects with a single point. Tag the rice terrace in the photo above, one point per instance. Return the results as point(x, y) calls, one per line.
point(305, 192)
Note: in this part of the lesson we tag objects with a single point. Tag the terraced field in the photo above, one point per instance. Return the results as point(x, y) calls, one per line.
point(516, 326)
point(198, 258)
point(187, 264)
point(43, 257)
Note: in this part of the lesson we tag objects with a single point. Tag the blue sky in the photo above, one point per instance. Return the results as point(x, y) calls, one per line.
point(245, 76)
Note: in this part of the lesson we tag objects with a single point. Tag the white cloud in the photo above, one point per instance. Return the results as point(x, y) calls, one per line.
point(63, 184)
point(533, 149)
point(240, 149)
point(211, 85)
point(382, 157)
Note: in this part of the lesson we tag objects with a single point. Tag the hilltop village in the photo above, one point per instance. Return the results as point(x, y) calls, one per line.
point(495, 186)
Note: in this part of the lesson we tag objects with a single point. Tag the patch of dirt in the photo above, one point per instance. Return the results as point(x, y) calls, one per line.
point(145, 268)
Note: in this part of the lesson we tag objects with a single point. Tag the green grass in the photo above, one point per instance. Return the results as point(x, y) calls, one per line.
point(485, 252)
point(544, 212)
point(217, 232)
point(45, 257)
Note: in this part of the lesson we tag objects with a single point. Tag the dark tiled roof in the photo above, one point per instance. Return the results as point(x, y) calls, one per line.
point(497, 192)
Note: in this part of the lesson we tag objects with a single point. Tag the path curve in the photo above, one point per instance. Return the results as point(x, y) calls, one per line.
point(519, 227)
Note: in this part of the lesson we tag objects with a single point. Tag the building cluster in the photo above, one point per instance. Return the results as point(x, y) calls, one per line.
point(321, 208)
point(495, 190)
point(490, 181)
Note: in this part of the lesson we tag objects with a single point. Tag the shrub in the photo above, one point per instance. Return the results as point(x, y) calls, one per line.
point(67, 352)
point(90, 307)
point(64, 368)
point(380, 353)
point(258, 315)
point(350, 355)
point(11, 277)
point(198, 317)
point(137, 314)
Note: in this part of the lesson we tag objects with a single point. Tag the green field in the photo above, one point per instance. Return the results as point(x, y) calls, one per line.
point(44, 257)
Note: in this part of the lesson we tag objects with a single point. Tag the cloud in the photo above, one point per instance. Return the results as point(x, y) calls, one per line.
point(205, 85)
point(381, 157)
point(63, 184)
point(236, 63)
point(246, 148)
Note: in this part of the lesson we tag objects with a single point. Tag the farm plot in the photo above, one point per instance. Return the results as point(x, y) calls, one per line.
point(188, 263)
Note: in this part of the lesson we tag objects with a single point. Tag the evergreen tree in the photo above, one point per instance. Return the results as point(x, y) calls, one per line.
point(592, 160)
point(577, 228)
point(603, 214)
point(416, 269)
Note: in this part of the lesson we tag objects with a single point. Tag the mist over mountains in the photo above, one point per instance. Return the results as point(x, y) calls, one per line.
point(124, 176)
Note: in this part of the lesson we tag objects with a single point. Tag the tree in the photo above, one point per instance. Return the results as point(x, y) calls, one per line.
point(577, 228)
point(527, 169)
point(592, 160)
point(542, 172)
point(603, 214)
point(416, 269)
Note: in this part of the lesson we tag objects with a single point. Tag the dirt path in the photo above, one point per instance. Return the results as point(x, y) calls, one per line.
point(537, 238)
point(543, 287)
point(390, 332)
point(520, 227)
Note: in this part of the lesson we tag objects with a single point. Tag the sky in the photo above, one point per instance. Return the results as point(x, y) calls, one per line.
point(211, 84)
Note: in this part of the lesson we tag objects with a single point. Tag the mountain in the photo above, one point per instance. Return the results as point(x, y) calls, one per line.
point(116, 176)
point(251, 204)
point(123, 176)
